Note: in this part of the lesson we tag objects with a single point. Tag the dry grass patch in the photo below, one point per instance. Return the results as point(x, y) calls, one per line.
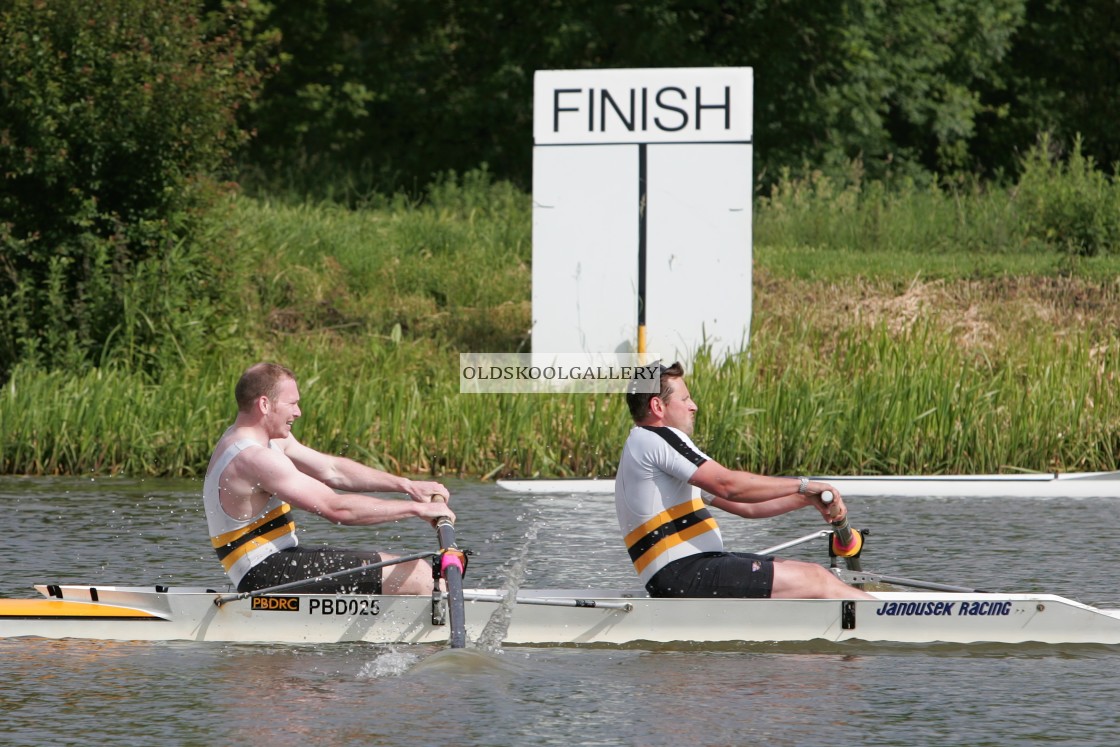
point(979, 315)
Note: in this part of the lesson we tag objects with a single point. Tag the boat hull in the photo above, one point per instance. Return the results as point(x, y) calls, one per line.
point(551, 617)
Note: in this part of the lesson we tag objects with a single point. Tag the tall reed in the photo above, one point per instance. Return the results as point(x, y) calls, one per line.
point(880, 404)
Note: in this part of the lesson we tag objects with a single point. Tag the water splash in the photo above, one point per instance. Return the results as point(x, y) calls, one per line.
point(496, 627)
point(389, 663)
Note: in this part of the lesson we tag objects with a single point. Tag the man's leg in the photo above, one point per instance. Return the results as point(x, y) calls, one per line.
point(414, 577)
point(794, 579)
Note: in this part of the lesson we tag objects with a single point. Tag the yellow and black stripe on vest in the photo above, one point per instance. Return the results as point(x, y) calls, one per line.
point(232, 546)
point(668, 529)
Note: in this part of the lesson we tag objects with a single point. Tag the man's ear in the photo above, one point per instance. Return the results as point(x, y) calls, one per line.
point(264, 404)
point(657, 406)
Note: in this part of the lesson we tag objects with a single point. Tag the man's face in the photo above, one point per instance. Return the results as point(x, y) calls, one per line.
point(679, 409)
point(283, 410)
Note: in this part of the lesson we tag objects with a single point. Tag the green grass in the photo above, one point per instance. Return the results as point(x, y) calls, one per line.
point(905, 333)
point(816, 228)
point(901, 266)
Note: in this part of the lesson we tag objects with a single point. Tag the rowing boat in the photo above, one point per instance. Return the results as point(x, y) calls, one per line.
point(1031, 485)
point(553, 617)
point(921, 612)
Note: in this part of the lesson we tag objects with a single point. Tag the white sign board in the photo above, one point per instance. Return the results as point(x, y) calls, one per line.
point(642, 186)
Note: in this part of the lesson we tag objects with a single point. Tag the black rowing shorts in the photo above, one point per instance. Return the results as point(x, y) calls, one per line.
point(715, 574)
point(297, 563)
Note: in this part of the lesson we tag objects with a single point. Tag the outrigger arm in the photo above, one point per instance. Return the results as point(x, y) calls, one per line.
point(867, 577)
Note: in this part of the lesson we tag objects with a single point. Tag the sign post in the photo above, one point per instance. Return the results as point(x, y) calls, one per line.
point(642, 187)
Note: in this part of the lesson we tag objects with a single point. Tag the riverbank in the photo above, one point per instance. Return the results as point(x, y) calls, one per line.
point(851, 377)
point(877, 360)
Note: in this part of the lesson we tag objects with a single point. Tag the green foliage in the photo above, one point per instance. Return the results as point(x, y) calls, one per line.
point(897, 86)
point(451, 272)
point(114, 118)
point(108, 420)
point(858, 216)
point(384, 95)
point(1068, 203)
point(1062, 204)
point(120, 339)
point(1060, 77)
point(852, 370)
point(869, 400)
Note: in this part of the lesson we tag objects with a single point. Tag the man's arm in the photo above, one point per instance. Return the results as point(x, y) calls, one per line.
point(341, 473)
point(759, 496)
point(281, 477)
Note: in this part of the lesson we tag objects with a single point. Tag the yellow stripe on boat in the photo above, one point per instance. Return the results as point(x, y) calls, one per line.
point(56, 609)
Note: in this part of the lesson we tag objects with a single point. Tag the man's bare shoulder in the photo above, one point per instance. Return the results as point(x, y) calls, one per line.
point(247, 453)
point(304, 457)
point(258, 469)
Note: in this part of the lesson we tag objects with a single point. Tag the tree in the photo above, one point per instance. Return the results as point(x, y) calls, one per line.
point(414, 88)
point(1060, 78)
point(115, 117)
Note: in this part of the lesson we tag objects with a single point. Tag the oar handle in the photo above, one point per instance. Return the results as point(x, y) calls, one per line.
point(445, 530)
point(846, 542)
point(843, 529)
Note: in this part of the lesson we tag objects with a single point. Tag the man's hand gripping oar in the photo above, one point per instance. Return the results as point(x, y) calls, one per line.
point(450, 566)
point(846, 542)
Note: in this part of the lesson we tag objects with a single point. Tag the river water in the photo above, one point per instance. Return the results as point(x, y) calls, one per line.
point(139, 532)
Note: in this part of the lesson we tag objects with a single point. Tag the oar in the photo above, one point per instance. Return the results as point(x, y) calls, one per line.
point(451, 568)
point(223, 598)
point(846, 542)
point(584, 603)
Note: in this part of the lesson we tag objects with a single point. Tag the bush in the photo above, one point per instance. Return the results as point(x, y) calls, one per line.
point(115, 118)
point(1070, 205)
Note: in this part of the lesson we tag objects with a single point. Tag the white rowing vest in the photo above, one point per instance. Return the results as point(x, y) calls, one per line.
point(243, 543)
point(660, 520)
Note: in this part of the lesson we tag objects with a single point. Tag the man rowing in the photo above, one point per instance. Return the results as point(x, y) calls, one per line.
point(674, 541)
point(259, 471)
